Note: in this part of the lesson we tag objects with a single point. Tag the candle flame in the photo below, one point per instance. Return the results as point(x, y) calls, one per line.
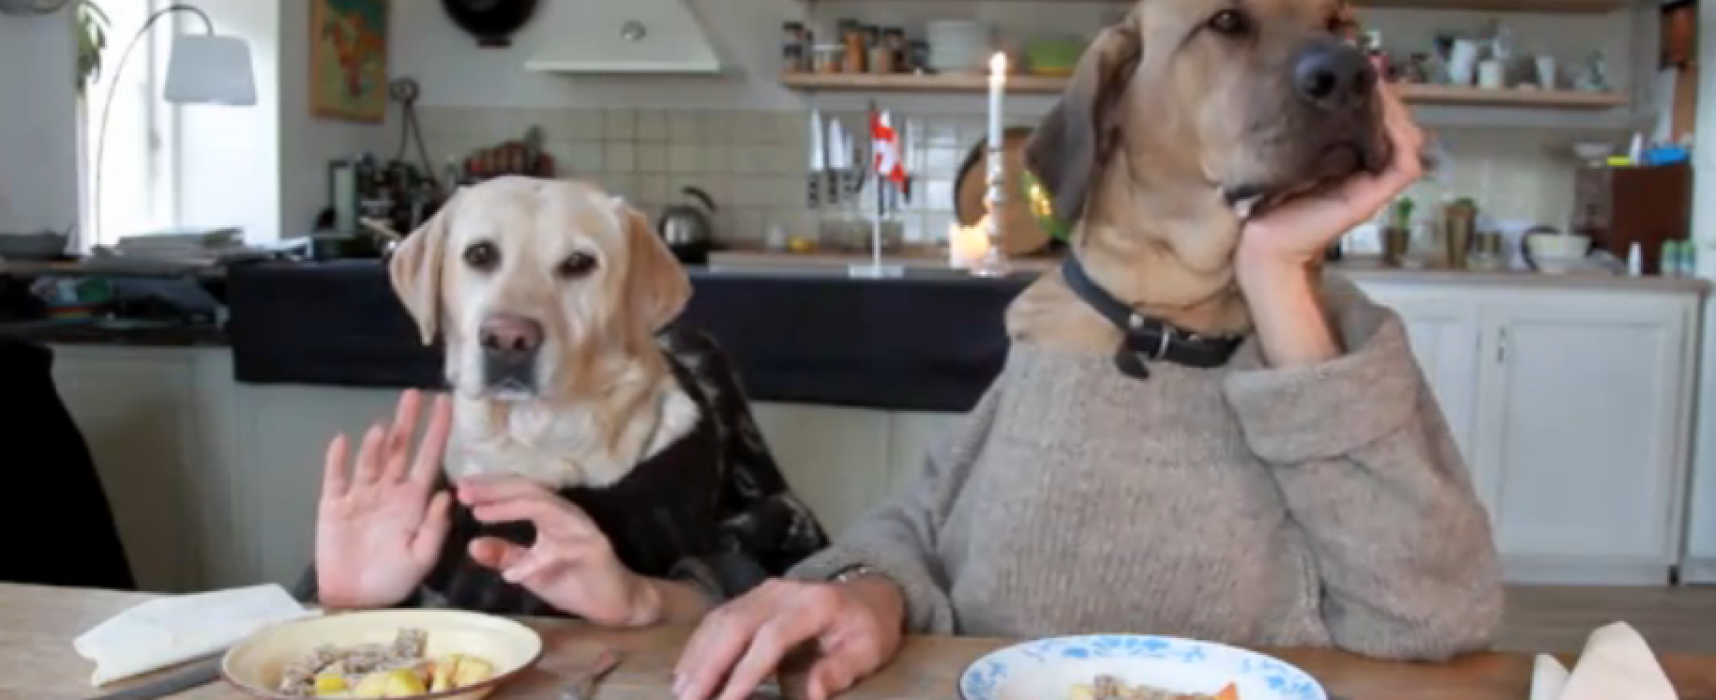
point(998, 64)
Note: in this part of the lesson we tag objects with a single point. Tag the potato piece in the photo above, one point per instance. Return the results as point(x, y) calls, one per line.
point(330, 685)
point(442, 677)
point(471, 671)
point(1082, 692)
point(373, 685)
point(404, 683)
point(1230, 692)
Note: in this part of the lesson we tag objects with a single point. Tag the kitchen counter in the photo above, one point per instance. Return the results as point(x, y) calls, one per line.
point(1359, 269)
point(930, 344)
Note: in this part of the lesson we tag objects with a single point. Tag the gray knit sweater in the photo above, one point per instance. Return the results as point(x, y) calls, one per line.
point(1320, 506)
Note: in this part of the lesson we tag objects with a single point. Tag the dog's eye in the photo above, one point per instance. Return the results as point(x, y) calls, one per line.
point(1228, 22)
point(482, 256)
point(576, 265)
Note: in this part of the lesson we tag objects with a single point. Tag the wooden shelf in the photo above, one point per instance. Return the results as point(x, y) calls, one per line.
point(1545, 6)
point(1038, 85)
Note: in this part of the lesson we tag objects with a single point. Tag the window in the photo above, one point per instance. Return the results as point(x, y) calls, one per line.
point(137, 154)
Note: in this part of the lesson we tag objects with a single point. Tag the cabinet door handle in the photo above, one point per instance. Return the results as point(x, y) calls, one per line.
point(1501, 348)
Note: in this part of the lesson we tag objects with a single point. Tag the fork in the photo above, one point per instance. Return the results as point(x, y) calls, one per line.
point(584, 685)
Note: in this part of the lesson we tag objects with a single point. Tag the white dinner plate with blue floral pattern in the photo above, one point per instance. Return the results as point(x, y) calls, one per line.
point(1047, 669)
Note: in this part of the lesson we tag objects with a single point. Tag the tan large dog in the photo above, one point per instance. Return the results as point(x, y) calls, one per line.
point(548, 295)
point(1178, 122)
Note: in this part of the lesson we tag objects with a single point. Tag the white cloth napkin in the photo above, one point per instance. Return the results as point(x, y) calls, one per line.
point(172, 630)
point(1616, 664)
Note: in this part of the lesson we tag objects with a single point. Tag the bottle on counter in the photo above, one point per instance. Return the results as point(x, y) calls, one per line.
point(1635, 260)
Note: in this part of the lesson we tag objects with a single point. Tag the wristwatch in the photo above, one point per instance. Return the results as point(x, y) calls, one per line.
point(853, 573)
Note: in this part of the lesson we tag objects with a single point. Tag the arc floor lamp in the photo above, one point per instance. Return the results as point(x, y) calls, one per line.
point(202, 68)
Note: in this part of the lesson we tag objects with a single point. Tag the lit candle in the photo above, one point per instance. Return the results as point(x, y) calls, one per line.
point(967, 246)
point(997, 85)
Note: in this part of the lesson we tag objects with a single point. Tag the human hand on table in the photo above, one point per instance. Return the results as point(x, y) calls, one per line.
point(856, 626)
point(378, 528)
point(571, 565)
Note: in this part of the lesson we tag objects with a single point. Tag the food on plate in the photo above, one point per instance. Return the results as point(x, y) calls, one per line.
point(1111, 688)
point(397, 670)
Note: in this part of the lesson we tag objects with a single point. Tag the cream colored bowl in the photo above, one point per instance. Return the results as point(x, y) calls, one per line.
point(255, 665)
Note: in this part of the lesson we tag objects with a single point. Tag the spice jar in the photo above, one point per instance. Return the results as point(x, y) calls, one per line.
point(894, 38)
point(856, 48)
point(881, 59)
point(829, 58)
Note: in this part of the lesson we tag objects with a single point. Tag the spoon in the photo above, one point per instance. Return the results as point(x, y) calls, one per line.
point(584, 685)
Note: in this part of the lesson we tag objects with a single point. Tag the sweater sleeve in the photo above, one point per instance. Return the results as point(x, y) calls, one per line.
point(898, 538)
point(1370, 471)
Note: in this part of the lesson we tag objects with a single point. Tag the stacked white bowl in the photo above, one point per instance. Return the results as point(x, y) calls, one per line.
point(959, 45)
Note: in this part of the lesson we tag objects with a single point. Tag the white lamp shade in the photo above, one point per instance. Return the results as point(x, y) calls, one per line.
point(208, 69)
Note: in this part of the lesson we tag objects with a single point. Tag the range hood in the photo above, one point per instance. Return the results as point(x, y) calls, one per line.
point(594, 37)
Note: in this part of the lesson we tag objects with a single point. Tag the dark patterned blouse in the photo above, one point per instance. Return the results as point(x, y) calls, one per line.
point(711, 509)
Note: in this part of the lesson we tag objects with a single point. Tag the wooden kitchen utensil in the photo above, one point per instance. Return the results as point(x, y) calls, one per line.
point(1021, 234)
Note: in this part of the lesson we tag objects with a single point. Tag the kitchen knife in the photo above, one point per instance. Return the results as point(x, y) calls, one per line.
point(183, 679)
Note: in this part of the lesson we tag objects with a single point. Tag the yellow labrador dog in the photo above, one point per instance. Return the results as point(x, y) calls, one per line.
point(1179, 122)
point(553, 300)
point(549, 295)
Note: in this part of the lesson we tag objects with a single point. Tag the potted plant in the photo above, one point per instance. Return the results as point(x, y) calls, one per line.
point(91, 29)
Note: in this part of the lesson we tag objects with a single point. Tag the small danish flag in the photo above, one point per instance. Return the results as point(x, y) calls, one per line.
point(885, 143)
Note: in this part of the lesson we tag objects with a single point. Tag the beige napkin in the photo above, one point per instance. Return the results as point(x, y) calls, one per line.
point(1616, 664)
point(172, 630)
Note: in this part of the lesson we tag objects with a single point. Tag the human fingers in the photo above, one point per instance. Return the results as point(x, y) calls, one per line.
point(809, 614)
point(551, 515)
point(838, 668)
point(433, 448)
point(721, 639)
point(542, 557)
point(369, 457)
point(399, 435)
point(437, 520)
point(334, 480)
point(495, 553)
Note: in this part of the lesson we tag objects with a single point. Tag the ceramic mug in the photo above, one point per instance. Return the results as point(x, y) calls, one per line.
point(1462, 62)
point(1546, 72)
point(1491, 75)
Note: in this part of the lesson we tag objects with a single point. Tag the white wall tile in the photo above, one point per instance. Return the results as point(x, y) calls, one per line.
point(652, 158)
point(652, 125)
point(619, 124)
point(619, 157)
point(682, 158)
point(682, 127)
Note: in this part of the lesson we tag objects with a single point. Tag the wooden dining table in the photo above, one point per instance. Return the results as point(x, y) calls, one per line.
point(38, 624)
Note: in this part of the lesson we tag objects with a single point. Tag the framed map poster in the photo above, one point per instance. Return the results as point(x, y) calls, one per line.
point(348, 59)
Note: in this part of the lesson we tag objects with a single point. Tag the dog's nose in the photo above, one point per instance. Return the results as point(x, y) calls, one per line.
point(1333, 74)
point(512, 336)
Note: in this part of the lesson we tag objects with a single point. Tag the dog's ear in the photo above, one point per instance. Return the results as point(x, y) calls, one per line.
point(416, 270)
point(1069, 146)
point(656, 286)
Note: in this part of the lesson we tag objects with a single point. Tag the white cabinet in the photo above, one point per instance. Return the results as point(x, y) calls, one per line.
point(1584, 419)
point(835, 459)
point(1573, 411)
point(136, 409)
point(1445, 331)
point(285, 431)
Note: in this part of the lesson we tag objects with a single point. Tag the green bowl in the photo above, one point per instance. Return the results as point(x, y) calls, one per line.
point(1043, 208)
point(1053, 56)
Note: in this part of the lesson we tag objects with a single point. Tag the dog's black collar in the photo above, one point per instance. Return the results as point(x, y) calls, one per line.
point(1146, 339)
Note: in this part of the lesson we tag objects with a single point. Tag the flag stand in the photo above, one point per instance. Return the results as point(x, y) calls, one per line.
point(876, 270)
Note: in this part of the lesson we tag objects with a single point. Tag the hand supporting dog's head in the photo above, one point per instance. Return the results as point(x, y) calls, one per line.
point(1216, 106)
point(538, 287)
